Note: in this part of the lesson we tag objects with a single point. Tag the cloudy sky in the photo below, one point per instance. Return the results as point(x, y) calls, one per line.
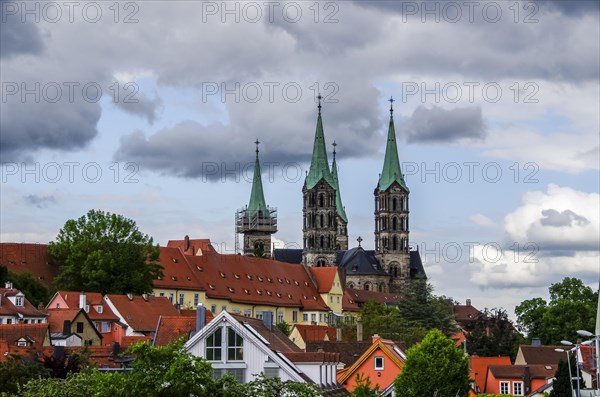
point(149, 109)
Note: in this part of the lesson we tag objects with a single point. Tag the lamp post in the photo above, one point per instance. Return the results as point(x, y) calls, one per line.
point(569, 365)
point(576, 348)
point(596, 338)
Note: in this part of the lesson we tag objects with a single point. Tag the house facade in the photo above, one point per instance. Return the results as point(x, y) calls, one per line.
point(16, 309)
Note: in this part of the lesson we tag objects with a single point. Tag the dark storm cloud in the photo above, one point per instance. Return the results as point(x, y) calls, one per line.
point(27, 126)
point(39, 201)
point(571, 7)
point(17, 37)
point(554, 218)
point(436, 124)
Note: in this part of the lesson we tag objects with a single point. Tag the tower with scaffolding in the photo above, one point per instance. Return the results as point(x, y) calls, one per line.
point(256, 221)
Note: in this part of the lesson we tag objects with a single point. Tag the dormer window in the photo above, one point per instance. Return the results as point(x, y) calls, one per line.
point(99, 309)
point(19, 300)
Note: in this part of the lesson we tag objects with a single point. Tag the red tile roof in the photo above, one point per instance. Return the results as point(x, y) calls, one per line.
point(313, 357)
point(93, 299)
point(278, 341)
point(258, 281)
point(7, 308)
point(191, 247)
point(324, 277)
point(142, 314)
point(537, 371)
point(349, 351)
point(361, 296)
point(177, 273)
point(544, 354)
point(11, 333)
point(57, 318)
point(315, 333)
point(28, 258)
point(465, 313)
point(479, 368)
point(171, 328)
point(348, 303)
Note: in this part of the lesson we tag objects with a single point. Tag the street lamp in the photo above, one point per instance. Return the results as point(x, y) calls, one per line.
point(576, 348)
point(569, 364)
point(588, 334)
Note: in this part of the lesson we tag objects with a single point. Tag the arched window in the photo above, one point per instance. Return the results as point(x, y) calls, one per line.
point(367, 286)
point(394, 223)
point(321, 200)
point(381, 287)
point(321, 220)
point(394, 203)
point(351, 285)
point(322, 241)
point(394, 243)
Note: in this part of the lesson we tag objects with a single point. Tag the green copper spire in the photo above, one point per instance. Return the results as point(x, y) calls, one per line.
point(319, 166)
point(391, 165)
point(257, 197)
point(339, 207)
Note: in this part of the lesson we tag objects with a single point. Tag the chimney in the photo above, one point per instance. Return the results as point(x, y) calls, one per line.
point(527, 380)
point(536, 342)
point(58, 352)
point(186, 246)
point(359, 331)
point(468, 302)
point(268, 320)
point(8, 285)
point(82, 300)
point(375, 338)
point(200, 317)
point(130, 296)
point(67, 328)
point(115, 350)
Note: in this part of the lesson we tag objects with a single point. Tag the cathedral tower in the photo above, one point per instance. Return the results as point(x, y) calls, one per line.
point(341, 238)
point(319, 206)
point(391, 215)
point(257, 221)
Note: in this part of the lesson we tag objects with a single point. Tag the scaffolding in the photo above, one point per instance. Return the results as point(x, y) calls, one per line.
point(254, 222)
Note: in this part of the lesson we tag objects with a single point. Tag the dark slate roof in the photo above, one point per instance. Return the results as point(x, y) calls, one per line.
point(363, 258)
point(357, 261)
point(289, 255)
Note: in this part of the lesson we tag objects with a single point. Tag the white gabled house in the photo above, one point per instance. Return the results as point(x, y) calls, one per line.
point(245, 347)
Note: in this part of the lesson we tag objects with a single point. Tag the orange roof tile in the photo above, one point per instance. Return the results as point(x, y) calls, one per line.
point(11, 333)
point(538, 371)
point(315, 333)
point(93, 299)
point(362, 296)
point(191, 246)
point(465, 313)
point(171, 328)
point(324, 277)
point(142, 314)
point(28, 258)
point(177, 273)
point(479, 368)
point(7, 308)
point(348, 303)
point(312, 357)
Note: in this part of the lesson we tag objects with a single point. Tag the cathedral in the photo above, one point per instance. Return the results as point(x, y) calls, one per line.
point(387, 268)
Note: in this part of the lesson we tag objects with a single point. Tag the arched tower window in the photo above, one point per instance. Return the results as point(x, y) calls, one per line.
point(394, 203)
point(367, 286)
point(394, 243)
point(321, 200)
point(322, 242)
point(394, 223)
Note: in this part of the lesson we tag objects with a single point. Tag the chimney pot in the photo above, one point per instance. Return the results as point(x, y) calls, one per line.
point(82, 300)
point(468, 302)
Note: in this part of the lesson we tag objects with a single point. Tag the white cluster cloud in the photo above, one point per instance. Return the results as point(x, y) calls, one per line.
point(550, 235)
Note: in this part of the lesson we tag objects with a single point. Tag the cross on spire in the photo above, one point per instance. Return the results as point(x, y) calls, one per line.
point(391, 101)
point(334, 145)
point(319, 97)
point(359, 239)
point(257, 142)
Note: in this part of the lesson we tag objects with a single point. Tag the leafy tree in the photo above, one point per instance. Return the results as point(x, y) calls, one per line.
point(421, 309)
point(381, 319)
point(561, 386)
point(18, 371)
point(263, 386)
point(35, 292)
point(364, 387)
point(493, 334)
point(572, 307)
point(284, 327)
point(436, 367)
point(104, 252)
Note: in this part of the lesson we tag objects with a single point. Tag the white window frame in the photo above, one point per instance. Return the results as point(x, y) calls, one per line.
point(100, 309)
point(19, 301)
point(379, 367)
point(520, 391)
point(504, 383)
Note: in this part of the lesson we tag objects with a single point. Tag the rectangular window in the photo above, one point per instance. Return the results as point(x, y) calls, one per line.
point(171, 296)
point(161, 294)
point(295, 316)
point(19, 301)
point(213, 346)
point(517, 388)
point(238, 373)
point(279, 318)
point(259, 315)
point(79, 327)
point(99, 309)
point(338, 299)
point(235, 346)
point(504, 387)
point(378, 362)
point(181, 298)
point(21, 343)
point(271, 372)
point(248, 313)
point(196, 299)
point(213, 309)
point(9, 321)
point(304, 317)
point(313, 317)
